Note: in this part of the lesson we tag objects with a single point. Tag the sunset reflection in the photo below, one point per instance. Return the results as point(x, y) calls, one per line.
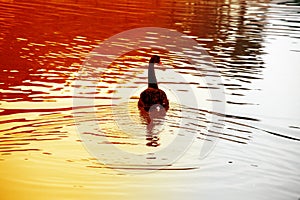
point(45, 45)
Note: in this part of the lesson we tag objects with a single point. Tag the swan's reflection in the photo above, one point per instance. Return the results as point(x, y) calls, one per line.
point(154, 119)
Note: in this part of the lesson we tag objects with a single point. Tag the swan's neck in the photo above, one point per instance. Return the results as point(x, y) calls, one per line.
point(152, 82)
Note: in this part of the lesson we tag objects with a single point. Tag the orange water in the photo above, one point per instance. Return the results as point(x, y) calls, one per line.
point(253, 44)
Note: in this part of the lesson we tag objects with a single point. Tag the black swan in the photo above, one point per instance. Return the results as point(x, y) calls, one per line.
point(153, 97)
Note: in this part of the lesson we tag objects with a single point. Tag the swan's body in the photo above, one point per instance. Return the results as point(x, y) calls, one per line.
point(153, 95)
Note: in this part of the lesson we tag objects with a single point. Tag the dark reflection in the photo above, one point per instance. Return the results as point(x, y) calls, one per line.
point(239, 48)
point(154, 119)
point(291, 3)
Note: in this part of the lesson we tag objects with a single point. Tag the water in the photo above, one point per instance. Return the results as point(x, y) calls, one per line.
point(255, 47)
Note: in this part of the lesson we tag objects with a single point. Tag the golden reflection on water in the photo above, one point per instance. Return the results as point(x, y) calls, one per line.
point(42, 47)
point(54, 164)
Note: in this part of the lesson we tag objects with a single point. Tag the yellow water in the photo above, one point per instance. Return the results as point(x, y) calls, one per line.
point(254, 45)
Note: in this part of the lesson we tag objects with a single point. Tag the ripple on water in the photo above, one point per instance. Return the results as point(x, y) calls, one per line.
point(42, 48)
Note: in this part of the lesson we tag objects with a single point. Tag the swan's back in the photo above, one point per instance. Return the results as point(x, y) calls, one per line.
point(152, 96)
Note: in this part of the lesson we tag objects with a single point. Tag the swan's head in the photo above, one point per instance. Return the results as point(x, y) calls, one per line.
point(155, 59)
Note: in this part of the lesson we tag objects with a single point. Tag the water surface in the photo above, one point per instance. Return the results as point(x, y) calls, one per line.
point(253, 44)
